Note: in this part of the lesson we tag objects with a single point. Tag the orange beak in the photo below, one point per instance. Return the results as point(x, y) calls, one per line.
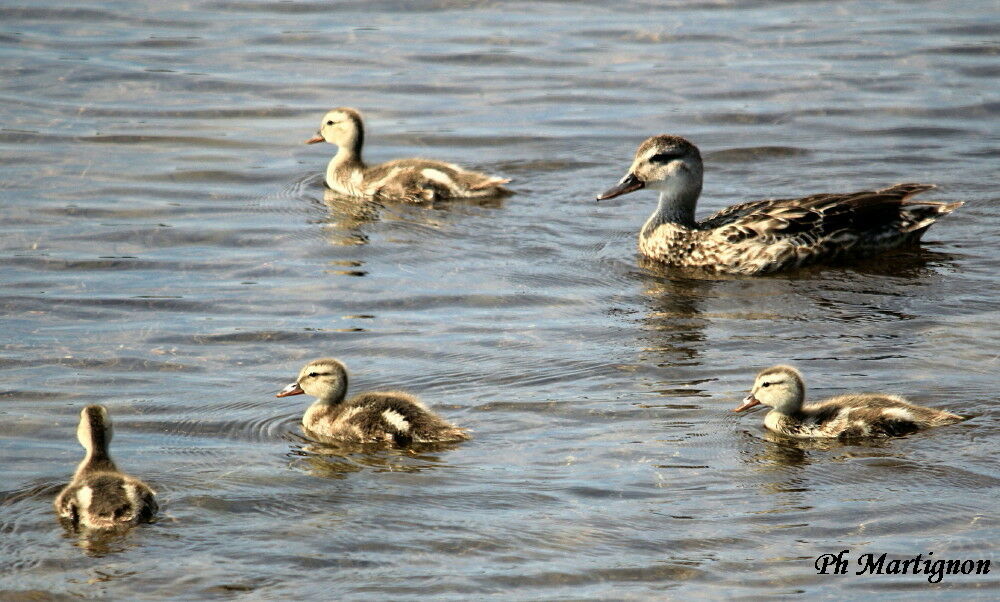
point(292, 389)
point(315, 139)
point(748, 402)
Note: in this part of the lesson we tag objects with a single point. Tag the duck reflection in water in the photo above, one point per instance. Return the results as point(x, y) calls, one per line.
point(349, 220)
point(674, 323)
point(336, 459)
point(767, 448)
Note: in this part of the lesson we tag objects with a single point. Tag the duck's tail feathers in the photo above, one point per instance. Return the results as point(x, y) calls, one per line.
point(926, 213)
point(489, 182)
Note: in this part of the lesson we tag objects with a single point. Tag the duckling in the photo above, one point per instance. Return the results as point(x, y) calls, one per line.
point(844, 416)
point(375, 417)
point(412, 180)
point(766, 236)
point(100, 496)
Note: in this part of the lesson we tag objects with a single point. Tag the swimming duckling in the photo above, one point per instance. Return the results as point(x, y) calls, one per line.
point(100, 496)
point(374, 417)
point(413, 180)
point(766, 236)
point(844, 416)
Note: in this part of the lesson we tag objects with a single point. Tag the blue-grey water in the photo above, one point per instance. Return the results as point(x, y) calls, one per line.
point(167, 251)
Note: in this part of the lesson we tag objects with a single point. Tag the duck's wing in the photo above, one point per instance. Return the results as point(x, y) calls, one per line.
point(420, 180)
point(66, 504)
point(822, 216)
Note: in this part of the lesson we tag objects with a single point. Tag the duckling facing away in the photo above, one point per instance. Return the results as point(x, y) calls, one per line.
point(100, 496)
point(375, 417)
point(844, 416)
point(766, 236)
point(412, 180)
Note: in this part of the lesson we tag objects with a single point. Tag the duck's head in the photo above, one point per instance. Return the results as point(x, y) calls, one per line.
point(325, 379)
point(95, 430)
point(779, 387)
point(669, 164)
point(341, 126)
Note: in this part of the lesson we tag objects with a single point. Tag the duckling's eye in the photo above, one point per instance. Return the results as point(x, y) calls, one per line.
point(313, 374)
point(765, 384)
point(329, 122)
point(666, 157)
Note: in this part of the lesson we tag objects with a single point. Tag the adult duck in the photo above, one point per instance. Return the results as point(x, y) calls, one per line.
point(845, 416)
point(766, 236)
point(411, 180)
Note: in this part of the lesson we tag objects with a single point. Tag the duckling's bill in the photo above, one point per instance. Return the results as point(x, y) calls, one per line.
point(629, 183)
point(291, 389)
point(315, 139)
point(748, 402)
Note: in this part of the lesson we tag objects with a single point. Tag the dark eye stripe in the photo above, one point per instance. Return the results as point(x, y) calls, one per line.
point(665, 157)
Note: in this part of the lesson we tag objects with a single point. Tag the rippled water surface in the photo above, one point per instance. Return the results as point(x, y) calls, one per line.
point(167, 251)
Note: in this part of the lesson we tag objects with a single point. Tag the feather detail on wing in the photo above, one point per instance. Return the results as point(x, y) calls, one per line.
point(820, 216)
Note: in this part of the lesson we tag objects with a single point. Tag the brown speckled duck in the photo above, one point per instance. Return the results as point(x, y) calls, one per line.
point(100, 496)
point(376, 417)
point(844, 416)
point(411, 180)
point(766, 236)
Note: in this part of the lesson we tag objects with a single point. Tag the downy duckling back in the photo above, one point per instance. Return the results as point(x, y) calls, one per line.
point(100, 496)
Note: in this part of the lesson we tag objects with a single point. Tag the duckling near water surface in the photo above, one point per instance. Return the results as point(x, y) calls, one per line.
point(375, 417)
point(844, 416)
point(100, 496)
point(413, 180)
point(766, 236)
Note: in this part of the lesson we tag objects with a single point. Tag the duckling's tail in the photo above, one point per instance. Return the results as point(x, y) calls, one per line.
point(924, 213)
point(945, 417)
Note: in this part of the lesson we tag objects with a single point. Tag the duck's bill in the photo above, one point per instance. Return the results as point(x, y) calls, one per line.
point(629, 183)
point(748, 402)
point(292, 389)
point(314, 139)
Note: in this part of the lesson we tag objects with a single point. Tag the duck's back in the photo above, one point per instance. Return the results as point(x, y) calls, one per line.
point(766, 236)
point(871, 414)
point(392, 417)
point(428, 180)
point(103, 500)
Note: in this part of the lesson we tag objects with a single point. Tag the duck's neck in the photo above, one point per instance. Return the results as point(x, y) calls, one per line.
point(345, 163)
point(337, 393)
point(676, 206)
point(97, 459)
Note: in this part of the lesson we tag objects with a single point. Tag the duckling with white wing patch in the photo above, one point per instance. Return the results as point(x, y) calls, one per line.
point(846, 416)
point(390, 417)
point(411, 180)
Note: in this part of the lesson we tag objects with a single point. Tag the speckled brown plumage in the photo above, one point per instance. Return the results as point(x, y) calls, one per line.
point(772, 235)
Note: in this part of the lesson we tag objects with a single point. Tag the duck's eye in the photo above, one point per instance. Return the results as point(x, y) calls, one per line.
point(765, 384)
point(329, 122)
point(665, 157)
point(313, 374)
